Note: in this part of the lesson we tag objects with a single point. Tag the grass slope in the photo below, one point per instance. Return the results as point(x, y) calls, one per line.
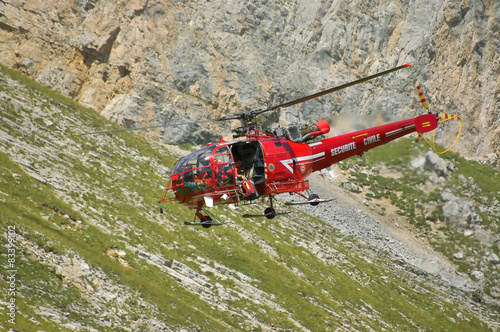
point(92, 252)
point(421, 202)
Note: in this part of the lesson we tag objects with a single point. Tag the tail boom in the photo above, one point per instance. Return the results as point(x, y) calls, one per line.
point(345, 146)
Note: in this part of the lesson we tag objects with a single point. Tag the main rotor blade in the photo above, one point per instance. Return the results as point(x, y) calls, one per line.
point(252, 114)
point(337, 88)
point(148, 127)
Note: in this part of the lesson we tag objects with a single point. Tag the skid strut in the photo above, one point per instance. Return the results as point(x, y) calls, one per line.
point(205, 220)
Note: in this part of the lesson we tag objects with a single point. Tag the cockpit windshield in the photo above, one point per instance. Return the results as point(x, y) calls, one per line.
point(210, 167)
point(195, 159)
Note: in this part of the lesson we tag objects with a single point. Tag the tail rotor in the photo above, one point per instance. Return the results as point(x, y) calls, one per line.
point(440, 118)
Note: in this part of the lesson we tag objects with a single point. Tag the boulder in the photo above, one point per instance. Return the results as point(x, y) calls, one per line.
point(434, 163)
point(352, 187)
point(493, 258)
point(459, 212)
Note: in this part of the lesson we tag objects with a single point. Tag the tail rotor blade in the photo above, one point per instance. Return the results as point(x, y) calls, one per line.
point(252, 114)
point(148, 127)
point(423, 100)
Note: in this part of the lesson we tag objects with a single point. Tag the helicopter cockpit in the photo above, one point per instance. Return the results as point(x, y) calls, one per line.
point(208, 168)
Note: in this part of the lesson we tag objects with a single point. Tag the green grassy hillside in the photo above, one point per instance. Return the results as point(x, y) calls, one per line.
point(425, 197)
point(92, 253)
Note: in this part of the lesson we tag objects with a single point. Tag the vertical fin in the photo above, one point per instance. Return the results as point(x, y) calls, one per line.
point(425, 123)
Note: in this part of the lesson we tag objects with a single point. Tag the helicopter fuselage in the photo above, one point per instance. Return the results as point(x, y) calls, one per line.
point(264, 165)
point(273, 165)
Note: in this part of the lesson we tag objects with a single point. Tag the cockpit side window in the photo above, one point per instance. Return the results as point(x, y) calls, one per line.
point(224, 167)
point(181, 164)
point(194, 171)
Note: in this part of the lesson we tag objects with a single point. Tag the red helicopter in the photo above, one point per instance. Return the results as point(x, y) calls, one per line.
point(263, 165)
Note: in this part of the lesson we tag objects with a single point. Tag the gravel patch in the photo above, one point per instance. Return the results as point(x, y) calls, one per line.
point(347, 214)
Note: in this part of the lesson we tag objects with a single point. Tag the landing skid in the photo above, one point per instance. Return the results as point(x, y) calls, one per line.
point(316, 201)
point(205, 224)
point(205, 220)
point(267, 215)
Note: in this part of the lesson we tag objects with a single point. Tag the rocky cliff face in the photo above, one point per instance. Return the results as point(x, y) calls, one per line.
point(154, 62)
